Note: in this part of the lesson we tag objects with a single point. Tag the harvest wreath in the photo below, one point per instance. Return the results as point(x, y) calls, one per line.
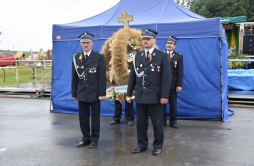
point(119, 51)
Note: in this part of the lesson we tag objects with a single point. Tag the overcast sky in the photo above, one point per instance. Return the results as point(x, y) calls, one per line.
point(27, 24)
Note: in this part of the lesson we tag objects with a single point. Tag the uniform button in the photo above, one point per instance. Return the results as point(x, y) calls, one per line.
point(145, 74)
point(145, 68)
point(86, 85)
point(144, 87)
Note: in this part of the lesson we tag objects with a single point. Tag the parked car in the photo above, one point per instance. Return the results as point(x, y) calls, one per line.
point(9, 57)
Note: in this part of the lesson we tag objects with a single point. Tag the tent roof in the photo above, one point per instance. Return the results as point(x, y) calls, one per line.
point(230, 20)
point(144, 12)
point(165, 16)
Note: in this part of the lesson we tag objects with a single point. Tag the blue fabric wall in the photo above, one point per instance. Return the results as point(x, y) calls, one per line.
point(202, 97)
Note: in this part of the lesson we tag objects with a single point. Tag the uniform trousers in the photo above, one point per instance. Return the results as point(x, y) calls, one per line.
point(129, 113)
point(90, 134)
point(173, 107)
point(156, 114)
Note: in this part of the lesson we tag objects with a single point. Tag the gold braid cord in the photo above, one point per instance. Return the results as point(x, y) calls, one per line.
point(119, 51)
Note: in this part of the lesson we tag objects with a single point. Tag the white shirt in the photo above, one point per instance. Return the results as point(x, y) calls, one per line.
point(150, 51)
point(88, 53)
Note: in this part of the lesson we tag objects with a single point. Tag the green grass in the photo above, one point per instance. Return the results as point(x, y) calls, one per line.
point(25, 75)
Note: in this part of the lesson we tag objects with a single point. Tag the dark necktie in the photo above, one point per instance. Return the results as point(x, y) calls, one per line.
point(86, 56)
point(147, 55)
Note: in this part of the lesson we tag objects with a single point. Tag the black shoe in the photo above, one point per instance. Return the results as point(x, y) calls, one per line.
point(156, 151)
point(114, 122)
point(92, 145)
point(174, 126)
point(138, 150)
point(130, 123)
point(82, 144)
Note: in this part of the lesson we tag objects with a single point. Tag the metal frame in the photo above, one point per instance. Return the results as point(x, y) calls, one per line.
point(241, 33)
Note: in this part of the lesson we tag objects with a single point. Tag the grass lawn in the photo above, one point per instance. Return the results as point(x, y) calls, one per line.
point(25, 75)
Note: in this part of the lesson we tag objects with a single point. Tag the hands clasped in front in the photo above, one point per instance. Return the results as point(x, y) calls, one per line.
point(102, 98)
point(129, 99)
point(163, 100)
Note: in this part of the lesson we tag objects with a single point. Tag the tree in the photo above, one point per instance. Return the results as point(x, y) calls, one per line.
point(223, 8)
point(185, 3)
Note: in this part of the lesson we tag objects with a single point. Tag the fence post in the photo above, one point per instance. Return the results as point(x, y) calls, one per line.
point(17, 76)
point(34, 71)
point(3, 75)
point(42, 72)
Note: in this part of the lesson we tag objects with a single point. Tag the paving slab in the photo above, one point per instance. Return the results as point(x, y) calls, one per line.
point(31, 135)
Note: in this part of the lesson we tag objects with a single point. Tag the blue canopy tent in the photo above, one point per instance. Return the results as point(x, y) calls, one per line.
point(201, 41)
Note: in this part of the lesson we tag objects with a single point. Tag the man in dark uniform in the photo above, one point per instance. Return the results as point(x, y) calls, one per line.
point(151, 78)
point(129, 113)
point(88, 88)
point(176, 61)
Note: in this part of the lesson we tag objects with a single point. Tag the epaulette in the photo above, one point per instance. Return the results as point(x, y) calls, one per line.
point(77, 54)
point(139, 52)
point(161, 50)
point(98, 52)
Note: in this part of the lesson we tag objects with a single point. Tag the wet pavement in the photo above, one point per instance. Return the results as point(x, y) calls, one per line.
point(31, 135)
point(30, 90)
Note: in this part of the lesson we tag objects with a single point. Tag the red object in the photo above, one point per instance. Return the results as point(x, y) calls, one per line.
point(80, 58)
point(9, 57)
point(150, 58)
point(120, 97)
point(32, 56)
point(251, 30)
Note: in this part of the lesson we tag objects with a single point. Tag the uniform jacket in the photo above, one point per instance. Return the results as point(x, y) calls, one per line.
point(154, 84)
point(177, 69)
point(93, 83)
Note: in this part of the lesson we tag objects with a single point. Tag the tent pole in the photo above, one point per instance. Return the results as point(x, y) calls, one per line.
point(241, 34)
point(50, 103)
point(221, 80)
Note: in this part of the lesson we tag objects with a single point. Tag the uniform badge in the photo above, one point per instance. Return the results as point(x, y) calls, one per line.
point(137, 68)
point(158, 68)
point(141, 65)
point(82, 67)
point(175, 64)
point(77, 67)
point(94, 69)
point(152, 67)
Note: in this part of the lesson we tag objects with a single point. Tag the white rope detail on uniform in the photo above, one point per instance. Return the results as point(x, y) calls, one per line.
point(80, 76)
point(138, 74)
